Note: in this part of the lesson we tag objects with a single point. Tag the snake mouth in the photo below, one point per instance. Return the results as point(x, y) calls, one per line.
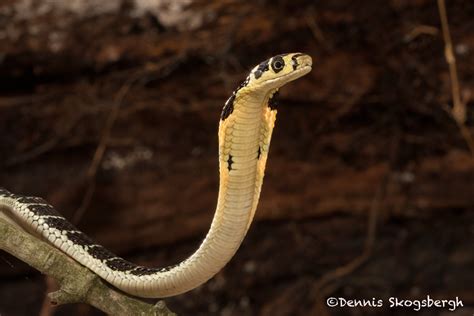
point(301, 71)
point(302, 64)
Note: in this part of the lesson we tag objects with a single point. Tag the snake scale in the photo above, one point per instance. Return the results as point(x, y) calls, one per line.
point(245, 129)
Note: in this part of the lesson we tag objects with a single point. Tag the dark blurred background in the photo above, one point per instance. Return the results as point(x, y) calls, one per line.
point(109, 110)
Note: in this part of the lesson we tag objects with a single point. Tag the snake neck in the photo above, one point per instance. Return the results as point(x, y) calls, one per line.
point(244, 139)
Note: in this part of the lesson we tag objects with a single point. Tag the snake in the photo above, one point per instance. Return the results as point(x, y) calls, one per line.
point(245, 129)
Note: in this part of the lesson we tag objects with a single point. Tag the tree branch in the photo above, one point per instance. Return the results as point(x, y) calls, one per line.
point(77, 283)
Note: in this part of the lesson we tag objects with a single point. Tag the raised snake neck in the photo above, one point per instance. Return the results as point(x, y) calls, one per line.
point(245, 130)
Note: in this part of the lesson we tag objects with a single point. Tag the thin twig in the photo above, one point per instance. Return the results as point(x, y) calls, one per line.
point(316, 30)
point(99, 152)
point(164, 69)
point(420, 30)
point(47, 146)
point(458, 111)
point(33, 153)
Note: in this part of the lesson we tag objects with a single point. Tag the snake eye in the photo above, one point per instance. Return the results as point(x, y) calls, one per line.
point(278, 63)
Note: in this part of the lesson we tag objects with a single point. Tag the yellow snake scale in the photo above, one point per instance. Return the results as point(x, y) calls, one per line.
point(245, 130)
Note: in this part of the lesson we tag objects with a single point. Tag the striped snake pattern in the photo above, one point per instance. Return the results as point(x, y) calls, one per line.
point(245, 130)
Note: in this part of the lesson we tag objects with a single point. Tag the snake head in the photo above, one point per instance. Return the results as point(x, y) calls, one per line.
point(279, 70)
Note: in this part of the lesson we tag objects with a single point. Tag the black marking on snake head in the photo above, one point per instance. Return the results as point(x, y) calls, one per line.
point(229, 163)
point(273, 101)
point(119, 264)
point(262, 67)
point(295, 60)
point(228, 107)
point(259, 152)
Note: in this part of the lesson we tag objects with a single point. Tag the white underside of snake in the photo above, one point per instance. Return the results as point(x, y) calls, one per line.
point(245, 130)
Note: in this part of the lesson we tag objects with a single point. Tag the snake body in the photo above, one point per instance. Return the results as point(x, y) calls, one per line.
point(245, 130)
